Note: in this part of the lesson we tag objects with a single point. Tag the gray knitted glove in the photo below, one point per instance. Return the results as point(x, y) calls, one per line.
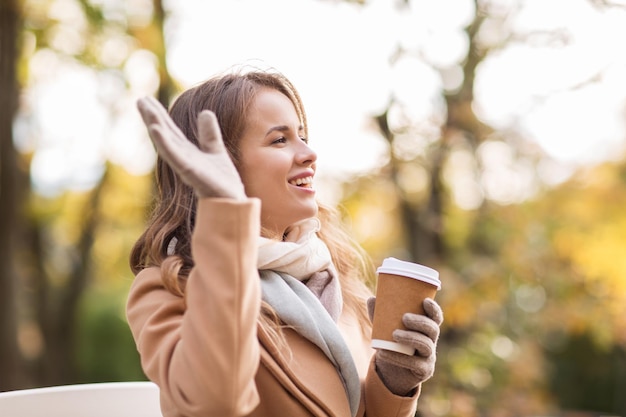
point(402, 373)
point(206, 168)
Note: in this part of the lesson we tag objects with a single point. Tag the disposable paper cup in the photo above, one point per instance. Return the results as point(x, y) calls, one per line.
point(401, 288)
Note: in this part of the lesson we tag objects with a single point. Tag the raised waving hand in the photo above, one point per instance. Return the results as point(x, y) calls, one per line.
point(208, 168)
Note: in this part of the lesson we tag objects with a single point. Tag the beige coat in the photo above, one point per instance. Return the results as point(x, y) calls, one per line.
point(211, 358)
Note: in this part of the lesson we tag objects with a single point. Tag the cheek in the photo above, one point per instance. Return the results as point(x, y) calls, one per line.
point(250, 175)
point(264, 174)
point(257, 183)
point(250, 185)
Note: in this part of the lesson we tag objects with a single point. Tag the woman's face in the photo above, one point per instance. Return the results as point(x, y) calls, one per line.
point(276, 163)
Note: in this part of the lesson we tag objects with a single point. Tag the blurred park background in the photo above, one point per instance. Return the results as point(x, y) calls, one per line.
point(483, 138)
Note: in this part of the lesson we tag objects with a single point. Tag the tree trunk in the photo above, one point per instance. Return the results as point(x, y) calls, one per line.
point(57, 307)
point(167, 88)
point(11, 199)
point(422, 224)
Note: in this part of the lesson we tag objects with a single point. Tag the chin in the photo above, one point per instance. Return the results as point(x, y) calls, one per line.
point(304, 214)
point(313, 210)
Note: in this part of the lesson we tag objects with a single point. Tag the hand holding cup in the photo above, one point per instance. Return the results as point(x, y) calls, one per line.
point(401, 288)
point(402, 373)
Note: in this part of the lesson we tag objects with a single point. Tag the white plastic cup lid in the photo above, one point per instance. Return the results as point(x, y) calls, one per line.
point(410, 269)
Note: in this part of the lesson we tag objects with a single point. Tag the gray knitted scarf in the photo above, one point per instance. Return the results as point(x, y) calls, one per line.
point(298, 307)
point(299, 280)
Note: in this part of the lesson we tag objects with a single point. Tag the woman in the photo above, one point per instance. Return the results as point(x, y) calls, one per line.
point(249, 299)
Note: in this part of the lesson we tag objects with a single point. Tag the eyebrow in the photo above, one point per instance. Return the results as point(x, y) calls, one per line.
point(282, 128)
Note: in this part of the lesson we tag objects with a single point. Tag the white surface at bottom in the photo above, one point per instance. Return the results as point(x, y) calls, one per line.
point(107, 399)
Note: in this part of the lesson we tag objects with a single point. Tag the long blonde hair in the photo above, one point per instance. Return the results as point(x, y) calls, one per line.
point(173, 216)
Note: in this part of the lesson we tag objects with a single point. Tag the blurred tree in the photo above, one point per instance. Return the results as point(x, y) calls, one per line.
point(57, 288)
point(587, 342)
point(64, 256)
point(582, 359)
point(507, 293)
point(12, 180)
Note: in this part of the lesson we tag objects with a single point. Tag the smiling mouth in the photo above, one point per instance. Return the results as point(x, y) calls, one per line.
point(305, 182)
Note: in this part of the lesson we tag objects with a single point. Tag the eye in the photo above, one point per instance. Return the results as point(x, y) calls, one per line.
point(281, 139)
point(305, 140)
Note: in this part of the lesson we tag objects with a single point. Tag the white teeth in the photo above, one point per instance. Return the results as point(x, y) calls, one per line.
point(301, 181)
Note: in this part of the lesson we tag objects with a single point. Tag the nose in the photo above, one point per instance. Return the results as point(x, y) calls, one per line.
point(305, 154)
